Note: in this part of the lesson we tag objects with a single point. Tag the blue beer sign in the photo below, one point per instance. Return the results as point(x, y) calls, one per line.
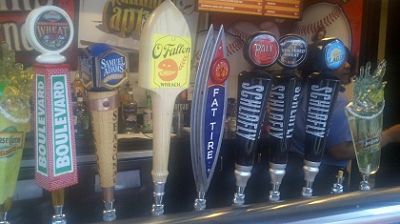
point(112, 69)
point(102, 67)
point(214, 114)
point(334, 54)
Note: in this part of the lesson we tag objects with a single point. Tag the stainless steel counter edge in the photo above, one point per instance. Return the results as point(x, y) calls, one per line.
point(81, 159)
point(377, 206)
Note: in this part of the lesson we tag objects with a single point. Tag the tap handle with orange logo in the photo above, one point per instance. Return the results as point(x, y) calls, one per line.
point(164, 68)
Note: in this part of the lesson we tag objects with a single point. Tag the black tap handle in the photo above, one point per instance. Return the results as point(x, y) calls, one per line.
point(282, 108)
point(253, 89)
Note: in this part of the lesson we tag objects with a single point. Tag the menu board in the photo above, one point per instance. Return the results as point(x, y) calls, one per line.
point(283, 8)
point(275, 8)
point(252, 7)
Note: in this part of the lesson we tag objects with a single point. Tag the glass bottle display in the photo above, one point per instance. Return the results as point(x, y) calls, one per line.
point(230, 121)
point(364, 115)
point(129, 110)
point(77, 88)
point(81, 117)
point(148, 115)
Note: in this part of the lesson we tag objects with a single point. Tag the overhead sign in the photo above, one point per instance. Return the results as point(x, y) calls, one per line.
point(283, 8)
point(275, 8)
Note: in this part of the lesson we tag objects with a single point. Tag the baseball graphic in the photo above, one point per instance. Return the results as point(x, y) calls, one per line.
point(242, 29)
point(235, 37)
point(238, 33)
point(186, 6)
point(270, 27)
point(326, 16)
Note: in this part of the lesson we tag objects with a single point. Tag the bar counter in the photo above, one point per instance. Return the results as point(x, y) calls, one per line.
point(83, 202)
point(377, 206)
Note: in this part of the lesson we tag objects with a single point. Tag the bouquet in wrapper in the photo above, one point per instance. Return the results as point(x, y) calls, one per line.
point(15, 88)
point(368, 92)
point(15, 114)
point(364, 115)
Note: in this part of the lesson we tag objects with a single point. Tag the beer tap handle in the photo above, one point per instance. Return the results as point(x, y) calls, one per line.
point(311, 170)
point(200, 202)
point(58, 204)
point(337, 187)
point(165, 31)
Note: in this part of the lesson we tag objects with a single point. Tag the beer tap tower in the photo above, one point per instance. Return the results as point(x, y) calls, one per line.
point(50, 31)
point(102, 71)
point(164, 68)
point(322, 87)
point(282, 106)
point(262, 50)
point(208, 112)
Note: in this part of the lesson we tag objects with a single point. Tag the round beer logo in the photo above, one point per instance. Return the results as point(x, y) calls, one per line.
point(334, 54)
point(167, 69)
point(52, 30)
point(293, 51)
point(263, 50)
point(220, 71)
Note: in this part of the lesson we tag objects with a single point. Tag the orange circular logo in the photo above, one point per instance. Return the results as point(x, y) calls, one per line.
point(168, 69)
point(220, 71)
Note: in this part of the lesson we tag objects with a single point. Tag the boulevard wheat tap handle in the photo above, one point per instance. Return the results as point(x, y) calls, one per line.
point(282, 107)
point(164, 69)
point(102, 70)
point(50, 31)
point(262, 50)
point(322, 88)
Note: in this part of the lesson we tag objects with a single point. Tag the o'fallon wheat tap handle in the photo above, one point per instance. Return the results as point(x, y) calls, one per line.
point(164, 68)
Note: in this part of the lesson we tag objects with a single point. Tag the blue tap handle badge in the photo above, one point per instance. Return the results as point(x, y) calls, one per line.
point(112, 69)
point(334, 54)
point(325, 56)
point(102, 67)
point(293, 51)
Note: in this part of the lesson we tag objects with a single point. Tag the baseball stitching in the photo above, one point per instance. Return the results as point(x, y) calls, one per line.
point(238, 43)
point(324, 22)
